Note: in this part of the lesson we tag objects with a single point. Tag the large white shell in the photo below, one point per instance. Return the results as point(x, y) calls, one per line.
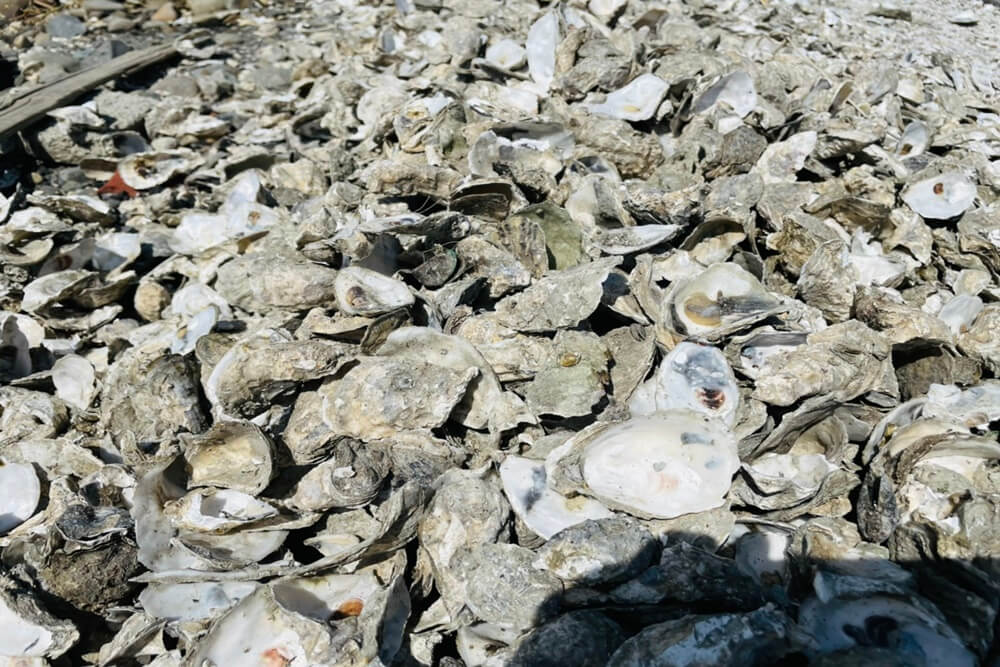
point(361, 291)
point(51, 288)
point(543, 36)
point(735, 90)
point(720, 294)
point(506, 54)
point(914, 140)
point(20, 494)
point(663, 466)
point(260, 631)
point(695, 377)
point(75, 381)
point(195, 601)
point(941, 197)
point(636, 101)
point(240, 216)
point(543, 510)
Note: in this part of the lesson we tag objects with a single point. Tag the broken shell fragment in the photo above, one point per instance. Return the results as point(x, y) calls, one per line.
point(636, 101)
point(544, 510)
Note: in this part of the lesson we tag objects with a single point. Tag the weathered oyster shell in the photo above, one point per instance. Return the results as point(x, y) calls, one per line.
point(662, 466)
point(362, 291)
point(693, 377)
point(720, 296)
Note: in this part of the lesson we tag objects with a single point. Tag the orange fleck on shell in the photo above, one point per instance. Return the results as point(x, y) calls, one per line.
point(352, 607)
point(939, 188)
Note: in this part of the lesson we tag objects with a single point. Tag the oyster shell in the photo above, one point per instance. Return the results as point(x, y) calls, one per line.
point(662, 466)
point(722, 295)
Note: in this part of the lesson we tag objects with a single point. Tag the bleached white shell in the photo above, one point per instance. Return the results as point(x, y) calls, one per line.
point(217, 510)
point(195, 601)
point(259, 630)
point(74, 378)
point(361, 291)
point(960, 312)
point(20, 495)
point(506, 54)
point(240, 216)
point(914, 140)
point(662, 466)
point(51, 288)
point(781, 161)
point(636, 101)
point(543, 36)
point(735, 90)
point(201, 324)
point(941, 197)
point(695, 377)
point(543, 510)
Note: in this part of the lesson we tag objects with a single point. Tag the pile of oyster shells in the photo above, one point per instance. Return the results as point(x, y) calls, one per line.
point(443, 332)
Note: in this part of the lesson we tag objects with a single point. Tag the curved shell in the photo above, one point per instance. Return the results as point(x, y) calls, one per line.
point(636, 101)
point(231, 455)
point(217, 510)
point(542, 509)
point(736, 90)
point(914, 140)
point(506, 54)
point(21, 493)
point(941, 197)
point(663, 466)
point(143, 171)
point(361, 291)
point(719, 295)
point(695, 377)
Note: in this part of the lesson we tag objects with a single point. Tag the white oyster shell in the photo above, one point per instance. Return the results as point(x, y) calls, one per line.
point(544, 510)
point(144, 171)
point(193, 601)
point(735, 90)
point(543, 36)
point(662, 466)
point(636, 101)
point(721, 294)
point(361, 291)
point(692, 376)
point(75, 381)
point(506, 54)
point(20, 495)
point(217, 510)
point(941, 197)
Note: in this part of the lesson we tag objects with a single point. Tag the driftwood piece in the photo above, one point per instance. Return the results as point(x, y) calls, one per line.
point(27, 108)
